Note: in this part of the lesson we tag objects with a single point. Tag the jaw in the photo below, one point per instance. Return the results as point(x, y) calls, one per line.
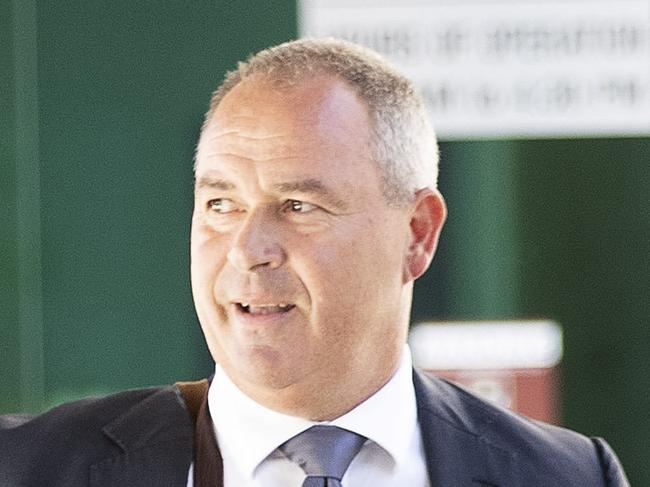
point(277, 358)
point(319, 393)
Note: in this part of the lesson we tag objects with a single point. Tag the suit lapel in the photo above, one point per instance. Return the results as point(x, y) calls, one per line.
point(155, 440)
point(458, 453)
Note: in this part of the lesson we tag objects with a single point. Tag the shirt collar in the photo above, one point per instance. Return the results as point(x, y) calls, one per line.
point(248, 432)
point(389, 416)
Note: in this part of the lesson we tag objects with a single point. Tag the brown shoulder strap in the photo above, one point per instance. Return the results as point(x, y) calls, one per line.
point(193, 394)
point(208, 464)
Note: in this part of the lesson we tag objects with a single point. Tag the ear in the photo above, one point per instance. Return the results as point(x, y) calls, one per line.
point(428, 214)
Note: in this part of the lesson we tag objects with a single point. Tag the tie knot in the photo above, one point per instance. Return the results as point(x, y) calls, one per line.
point(323, 451)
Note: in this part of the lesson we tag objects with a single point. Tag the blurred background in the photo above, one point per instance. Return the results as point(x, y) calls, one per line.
point(100, 108)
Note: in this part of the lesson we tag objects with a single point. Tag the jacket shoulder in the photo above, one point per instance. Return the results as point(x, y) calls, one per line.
point(540, 450)
point(63, 442)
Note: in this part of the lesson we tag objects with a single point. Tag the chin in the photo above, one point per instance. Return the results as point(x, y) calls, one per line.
point(262, 367)
point(259, 383)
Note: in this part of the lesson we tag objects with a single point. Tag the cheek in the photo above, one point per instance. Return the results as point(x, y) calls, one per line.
point(207, 261)
point(336, 272)
point(364, 270)
point(208, 253)
point(369, 250)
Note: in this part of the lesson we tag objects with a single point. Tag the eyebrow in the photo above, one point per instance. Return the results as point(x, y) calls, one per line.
point(303, 186)
point(310, 186)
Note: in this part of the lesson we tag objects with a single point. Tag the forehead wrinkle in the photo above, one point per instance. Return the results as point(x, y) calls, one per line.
point(240, 135)
point(214, 183)
point(234, 155)
point(251, 147)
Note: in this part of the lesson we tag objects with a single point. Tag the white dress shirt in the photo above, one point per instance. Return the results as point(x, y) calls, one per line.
point(248, 435)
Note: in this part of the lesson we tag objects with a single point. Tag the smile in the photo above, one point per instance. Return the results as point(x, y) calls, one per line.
point(264, 309)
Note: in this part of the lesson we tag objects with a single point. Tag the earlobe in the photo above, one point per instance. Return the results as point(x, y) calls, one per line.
point(427, 218)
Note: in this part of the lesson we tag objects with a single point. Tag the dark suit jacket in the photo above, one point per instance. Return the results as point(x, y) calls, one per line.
point(145, 438)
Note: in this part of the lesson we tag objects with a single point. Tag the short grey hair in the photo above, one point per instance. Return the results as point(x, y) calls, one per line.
point(404, 144)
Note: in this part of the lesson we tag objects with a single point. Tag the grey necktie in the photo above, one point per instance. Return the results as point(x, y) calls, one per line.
point(324, 453)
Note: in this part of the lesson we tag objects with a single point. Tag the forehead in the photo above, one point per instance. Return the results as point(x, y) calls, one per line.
point(268, 122)
point(318, 127)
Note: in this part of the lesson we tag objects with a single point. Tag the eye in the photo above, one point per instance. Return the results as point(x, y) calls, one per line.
point(297, 206)
point(222, 205)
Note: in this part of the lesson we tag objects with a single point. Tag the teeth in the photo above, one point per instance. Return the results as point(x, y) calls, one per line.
point(263, 310)
point(266, 308)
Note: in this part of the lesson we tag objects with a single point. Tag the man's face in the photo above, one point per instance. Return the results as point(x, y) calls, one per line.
point(297, 260)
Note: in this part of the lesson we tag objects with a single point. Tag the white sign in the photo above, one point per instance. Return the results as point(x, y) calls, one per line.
point(512, 67)
point(486, 345)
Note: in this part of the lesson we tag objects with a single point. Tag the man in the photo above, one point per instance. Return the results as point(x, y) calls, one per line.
point(315, 210)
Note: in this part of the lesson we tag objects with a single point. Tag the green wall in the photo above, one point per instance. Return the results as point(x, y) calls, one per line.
point(20, 257)
point(9, 356)
point(99, 123)
point(584, 228)
point(101, 103)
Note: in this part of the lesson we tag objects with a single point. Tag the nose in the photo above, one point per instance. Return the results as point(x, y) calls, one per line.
point(256, 244)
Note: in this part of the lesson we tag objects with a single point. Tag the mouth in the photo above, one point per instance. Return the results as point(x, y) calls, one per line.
point(264, 309)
